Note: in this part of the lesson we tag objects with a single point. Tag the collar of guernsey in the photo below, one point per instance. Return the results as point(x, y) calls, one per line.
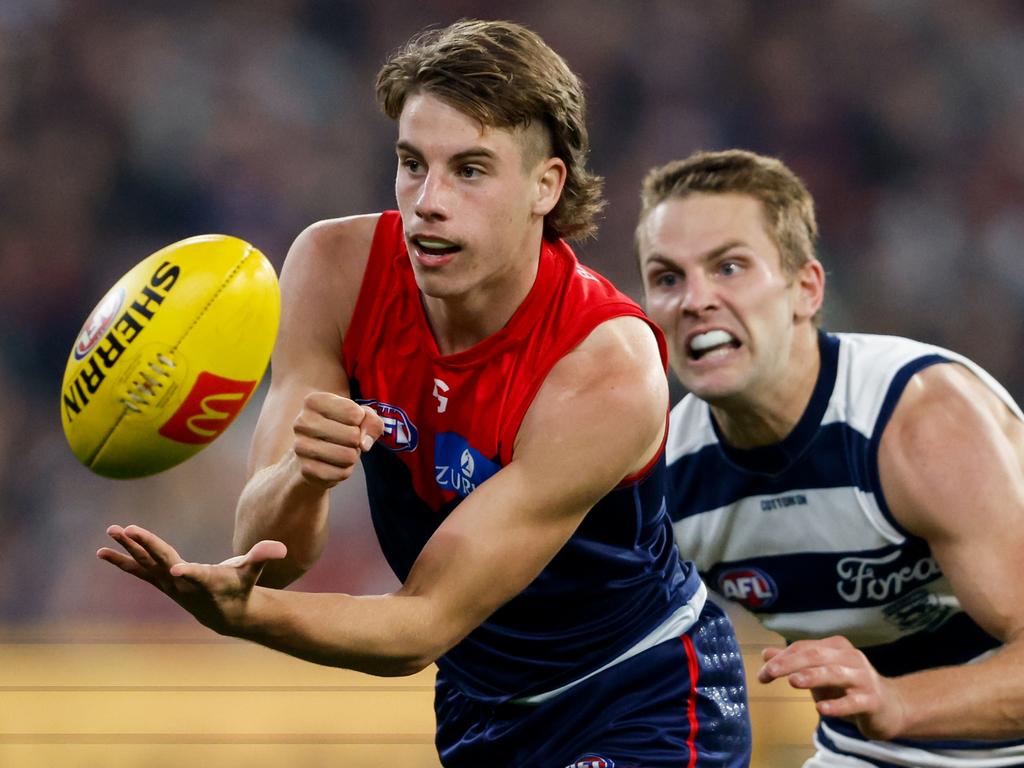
point(555, 257)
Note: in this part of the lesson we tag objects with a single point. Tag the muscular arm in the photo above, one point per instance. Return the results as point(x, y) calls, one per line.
point(952, 466)
point(951, 462)
point(599, 417)
point(286, 497)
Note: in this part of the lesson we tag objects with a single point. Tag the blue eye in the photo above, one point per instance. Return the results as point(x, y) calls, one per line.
point(666, 279)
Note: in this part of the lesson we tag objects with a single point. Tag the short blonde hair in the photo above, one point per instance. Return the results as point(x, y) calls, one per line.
point(788, 206)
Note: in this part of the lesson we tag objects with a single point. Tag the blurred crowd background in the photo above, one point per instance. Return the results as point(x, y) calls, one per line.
point(125, 126)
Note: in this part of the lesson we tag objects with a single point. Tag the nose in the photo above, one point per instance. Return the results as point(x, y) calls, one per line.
point(700, 295)
point(433, 201)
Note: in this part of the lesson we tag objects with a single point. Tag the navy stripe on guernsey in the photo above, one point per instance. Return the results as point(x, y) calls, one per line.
point(850, 730)
point(821, 595)
point(800, 533)
point(899, 383)
point(822, 739)
point(712, 479)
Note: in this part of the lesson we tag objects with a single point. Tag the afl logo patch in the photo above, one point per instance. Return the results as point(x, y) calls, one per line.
point(99, 323)
point(750, 586)
point(400, 434)
point(592, 761)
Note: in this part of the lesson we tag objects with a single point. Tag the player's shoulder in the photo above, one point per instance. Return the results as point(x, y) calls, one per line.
point(338, 241)
point(880, 345)
point(323, 272)
point(612, 383)
point(618, 362)
point(624, 344)
point(329, 255)
point(953, 394)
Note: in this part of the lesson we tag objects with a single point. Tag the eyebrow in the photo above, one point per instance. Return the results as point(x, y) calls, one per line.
point(714, 253)
point(466, 154)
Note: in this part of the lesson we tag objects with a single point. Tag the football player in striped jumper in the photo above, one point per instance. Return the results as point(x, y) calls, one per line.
point(863, 495)
point(509, 407)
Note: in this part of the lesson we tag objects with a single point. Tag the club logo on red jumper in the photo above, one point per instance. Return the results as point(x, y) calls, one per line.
point(99, 323)
point(208, 410)
point(592, 761)
point(750, 586)
point(400, 434)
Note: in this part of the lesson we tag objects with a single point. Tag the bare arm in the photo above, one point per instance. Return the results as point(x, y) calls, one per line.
point(952, 467)
point(300, 449)
point(488, 549)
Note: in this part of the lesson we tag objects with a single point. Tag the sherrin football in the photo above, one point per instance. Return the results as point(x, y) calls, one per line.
point(170, 356)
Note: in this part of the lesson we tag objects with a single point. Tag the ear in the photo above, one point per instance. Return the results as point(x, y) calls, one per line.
point(809, 282)
point(549, 177)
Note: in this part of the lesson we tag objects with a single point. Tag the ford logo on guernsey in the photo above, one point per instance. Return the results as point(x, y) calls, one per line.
point(399, 434)
point(592, 761)
point(750, 586)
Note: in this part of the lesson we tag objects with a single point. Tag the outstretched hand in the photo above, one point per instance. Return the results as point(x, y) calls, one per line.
point(217, 595)
point(842, 682)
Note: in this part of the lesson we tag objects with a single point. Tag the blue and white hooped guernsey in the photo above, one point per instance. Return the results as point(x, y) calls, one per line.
point(800, 533)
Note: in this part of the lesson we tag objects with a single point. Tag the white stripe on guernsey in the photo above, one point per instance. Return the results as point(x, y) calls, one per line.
point(898, 754)
point(868, 383)
point(827, 522)
point(862, 386)
point(882, 357)
point(689, 429)
point(862, 626)
point(674, 626)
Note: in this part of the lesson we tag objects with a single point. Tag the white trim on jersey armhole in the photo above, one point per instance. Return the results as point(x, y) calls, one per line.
point(689, 428)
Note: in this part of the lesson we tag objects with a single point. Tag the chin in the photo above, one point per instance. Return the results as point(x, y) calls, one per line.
point(435, 285)
point(712, 389)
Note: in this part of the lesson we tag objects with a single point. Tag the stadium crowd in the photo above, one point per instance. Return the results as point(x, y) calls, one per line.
point(124, 127)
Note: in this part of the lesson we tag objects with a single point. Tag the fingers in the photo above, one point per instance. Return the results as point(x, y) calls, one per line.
point(146, 555)
point(157, 551)
point(332, 418)
point(124, 562)
point(840, 678)
point(804, 654)
point(330, 434)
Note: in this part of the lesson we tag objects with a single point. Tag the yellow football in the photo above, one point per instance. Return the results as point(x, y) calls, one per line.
point(170, 356)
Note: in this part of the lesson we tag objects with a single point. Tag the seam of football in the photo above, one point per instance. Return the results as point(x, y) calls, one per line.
point(124, 412)
point(224, 284)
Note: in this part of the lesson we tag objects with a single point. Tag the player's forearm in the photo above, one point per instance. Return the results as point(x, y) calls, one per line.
point(277, 503)
point(385, 635)
point(984, 700)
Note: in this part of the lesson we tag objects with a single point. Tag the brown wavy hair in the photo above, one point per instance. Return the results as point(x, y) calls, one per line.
point(505, 76)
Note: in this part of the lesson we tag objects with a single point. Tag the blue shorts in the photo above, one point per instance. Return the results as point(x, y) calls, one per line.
point(681, 704)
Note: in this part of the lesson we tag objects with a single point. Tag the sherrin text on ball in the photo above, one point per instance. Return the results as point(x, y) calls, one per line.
point(170, 356)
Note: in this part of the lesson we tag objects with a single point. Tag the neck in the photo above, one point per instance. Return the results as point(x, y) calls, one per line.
point(770, 413)
point(461, 321)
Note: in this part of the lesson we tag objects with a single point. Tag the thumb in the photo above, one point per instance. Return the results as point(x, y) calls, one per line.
point(371, 427)
point(262, 552)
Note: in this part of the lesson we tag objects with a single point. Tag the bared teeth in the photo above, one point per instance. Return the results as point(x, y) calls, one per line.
point(705, 341)
point(435, 247)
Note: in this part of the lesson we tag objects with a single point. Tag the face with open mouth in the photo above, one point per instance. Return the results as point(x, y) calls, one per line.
point(714, 282)
point(472, 210)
